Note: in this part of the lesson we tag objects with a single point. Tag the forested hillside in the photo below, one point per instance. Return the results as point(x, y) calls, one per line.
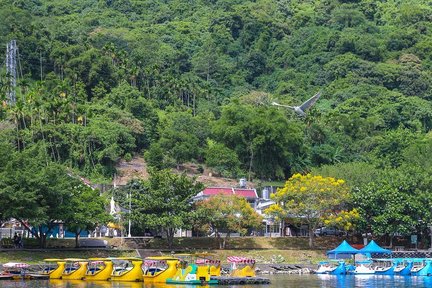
point(192, 81)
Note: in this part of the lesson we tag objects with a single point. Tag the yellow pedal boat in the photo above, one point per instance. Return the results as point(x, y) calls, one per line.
point(99, 269)
point(53, 268)
point(210, 260)
point(158, 269)
point(241, 266)
point(127, 269)
point(75, 269)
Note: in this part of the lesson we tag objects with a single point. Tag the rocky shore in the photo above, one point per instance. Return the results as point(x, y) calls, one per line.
point(269, 269)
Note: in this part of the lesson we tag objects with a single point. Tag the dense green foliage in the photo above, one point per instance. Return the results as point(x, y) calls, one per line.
point(40, 194)
point(181, 81)
point(163, 202)
point(103, 79)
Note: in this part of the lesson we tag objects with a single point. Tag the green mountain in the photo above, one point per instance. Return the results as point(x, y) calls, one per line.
point(192, 81)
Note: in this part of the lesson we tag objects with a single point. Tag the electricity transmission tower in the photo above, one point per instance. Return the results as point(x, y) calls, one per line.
point(11, 70)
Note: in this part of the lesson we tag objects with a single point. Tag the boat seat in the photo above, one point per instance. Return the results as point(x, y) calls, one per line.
point(69, 270)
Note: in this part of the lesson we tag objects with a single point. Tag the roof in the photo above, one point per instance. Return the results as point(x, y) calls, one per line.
point(217, 190)
point(264, 204)
point(343, 248)
point(243, 192)
point(372, 247)
point(247, 193)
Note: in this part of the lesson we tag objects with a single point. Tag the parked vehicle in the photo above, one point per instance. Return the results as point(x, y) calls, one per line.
point(324, 231)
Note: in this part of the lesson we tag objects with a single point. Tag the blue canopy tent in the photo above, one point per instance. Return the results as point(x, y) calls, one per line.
point(344, 250)
point(373, 248)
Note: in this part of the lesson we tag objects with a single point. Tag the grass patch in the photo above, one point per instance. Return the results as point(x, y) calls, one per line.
point(270, 256)
point(273, 183)
point(290, 250)
point(247, 243)
point(37, 256)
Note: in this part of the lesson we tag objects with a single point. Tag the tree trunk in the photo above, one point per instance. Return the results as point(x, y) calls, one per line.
point(250, 162)
point(42, 239)
point(311, 238)
point(170, 237)
point(77, 235)
point(225, 240)
point(282, 228)
point(220, 240)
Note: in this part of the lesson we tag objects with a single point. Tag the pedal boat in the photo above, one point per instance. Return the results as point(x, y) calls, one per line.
point(127, 269)
point(421, 267)
point(332, 268)
point(241, 266)
point(363, 268)
point(14, 271)
point(75, 269)
point(53, 268)
point(99, 269)
point(191, 271)
point(210, 260)
point(386, 266)
point(158, 269)
point(404, 267)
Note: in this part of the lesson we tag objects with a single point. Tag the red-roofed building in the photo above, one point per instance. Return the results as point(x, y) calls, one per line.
point(250, 194)
point(247, 193)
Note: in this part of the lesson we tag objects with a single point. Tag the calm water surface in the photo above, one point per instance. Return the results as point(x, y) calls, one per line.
point(282, 281)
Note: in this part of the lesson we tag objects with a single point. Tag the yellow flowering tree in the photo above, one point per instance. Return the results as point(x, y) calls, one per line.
point(345, 219)
point(309, 199)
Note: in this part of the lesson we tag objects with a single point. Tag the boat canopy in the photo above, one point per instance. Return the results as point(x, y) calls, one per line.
point(206, 261)
point(155, 262)
point(15, 265)
point(237, 259)
point(344, 250)
point(75, 260)
point(372, 247)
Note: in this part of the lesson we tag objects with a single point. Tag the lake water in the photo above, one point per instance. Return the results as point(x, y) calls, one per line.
point(282, 281)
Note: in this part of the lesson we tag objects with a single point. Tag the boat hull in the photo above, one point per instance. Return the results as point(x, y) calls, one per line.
point(161, 276)
point(385, 271)
point(77, 274)
point(426, 270)
point(405, 271)
point(103, 274)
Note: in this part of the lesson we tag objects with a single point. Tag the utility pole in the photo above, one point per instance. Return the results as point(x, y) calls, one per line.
point(11, 70)
point(130, 208)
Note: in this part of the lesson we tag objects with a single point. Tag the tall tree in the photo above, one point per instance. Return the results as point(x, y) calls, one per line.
point(309, 199)
point(36, 191)
point(267, 144)
point(87, 209)
point(164, 202)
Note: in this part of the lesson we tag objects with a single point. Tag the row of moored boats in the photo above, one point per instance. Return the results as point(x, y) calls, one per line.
point(387, 266)
point(195, 268)
point(365, 264)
